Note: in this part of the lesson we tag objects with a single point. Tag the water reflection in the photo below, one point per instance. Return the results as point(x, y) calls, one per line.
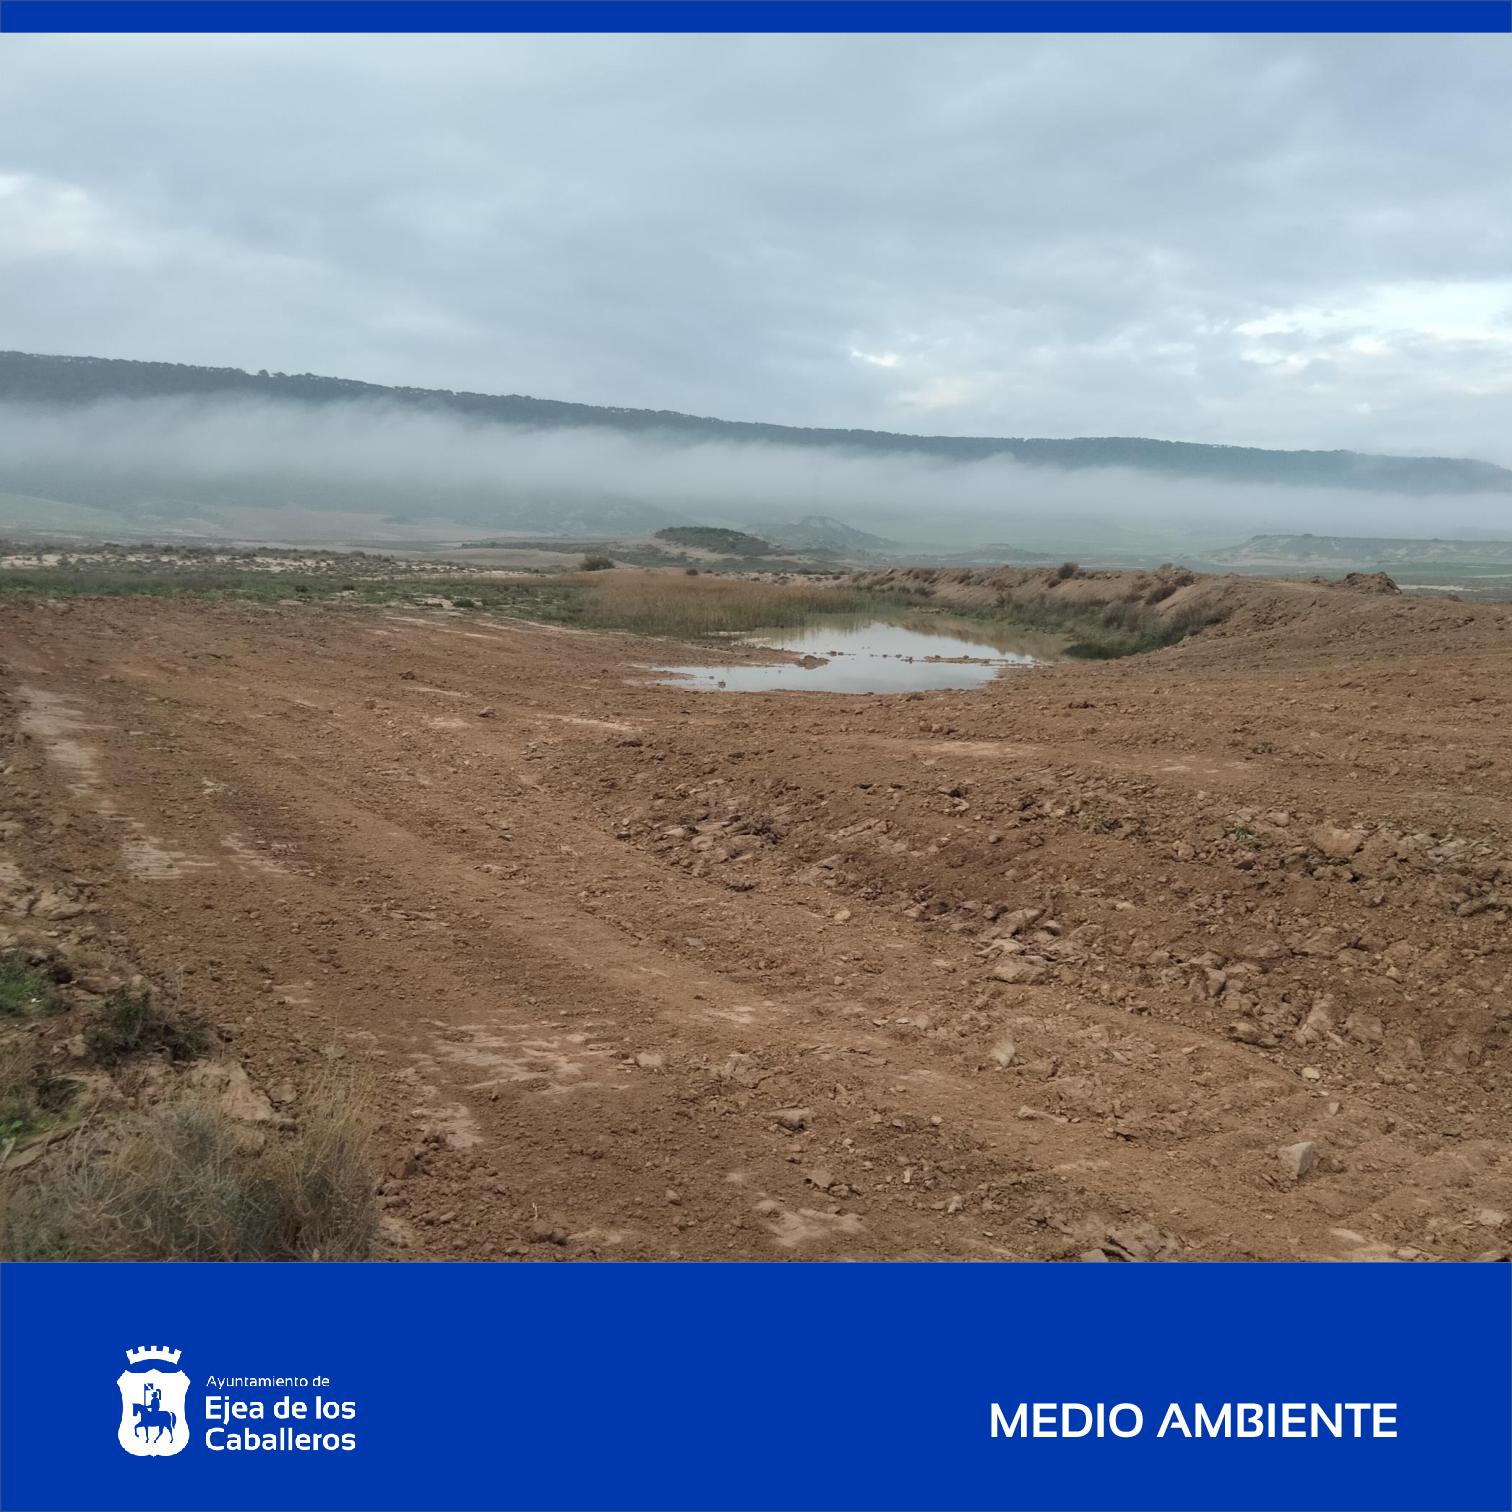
point(865, 655)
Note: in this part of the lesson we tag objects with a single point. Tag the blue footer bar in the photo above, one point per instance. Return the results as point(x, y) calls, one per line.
point(756, 1386)
point(1124, 16)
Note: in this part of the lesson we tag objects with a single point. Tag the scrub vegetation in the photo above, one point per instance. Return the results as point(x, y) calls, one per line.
point(128, 1023)
point(32, 1095)
point(1103, 615)
point(25, 992)
point(188, 1181)
point(679, 605)
point(1100, 615)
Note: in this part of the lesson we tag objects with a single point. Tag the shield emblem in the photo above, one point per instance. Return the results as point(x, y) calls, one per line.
point(153, 1420)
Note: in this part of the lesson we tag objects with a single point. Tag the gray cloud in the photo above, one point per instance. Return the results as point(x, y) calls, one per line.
point(1288, 242)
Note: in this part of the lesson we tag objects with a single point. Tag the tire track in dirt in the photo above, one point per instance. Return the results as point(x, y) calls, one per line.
point(588, 1048)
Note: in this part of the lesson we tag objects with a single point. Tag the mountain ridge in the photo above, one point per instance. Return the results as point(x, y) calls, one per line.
point(35, 378)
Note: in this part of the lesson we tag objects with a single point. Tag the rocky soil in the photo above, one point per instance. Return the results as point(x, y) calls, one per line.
point(1202, 954)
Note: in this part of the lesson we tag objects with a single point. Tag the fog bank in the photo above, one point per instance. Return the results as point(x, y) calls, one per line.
point(172, 456)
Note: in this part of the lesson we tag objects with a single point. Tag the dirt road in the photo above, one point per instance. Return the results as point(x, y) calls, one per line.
point(1203, 954)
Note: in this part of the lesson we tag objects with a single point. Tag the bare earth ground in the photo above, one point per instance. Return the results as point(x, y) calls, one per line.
point(644, 973)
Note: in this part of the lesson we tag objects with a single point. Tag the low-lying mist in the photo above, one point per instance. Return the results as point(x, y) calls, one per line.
point(166, 457)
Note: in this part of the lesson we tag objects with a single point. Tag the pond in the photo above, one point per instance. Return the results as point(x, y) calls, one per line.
point(846, 654)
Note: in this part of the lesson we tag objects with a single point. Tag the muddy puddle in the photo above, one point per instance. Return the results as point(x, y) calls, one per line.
point(851, 655)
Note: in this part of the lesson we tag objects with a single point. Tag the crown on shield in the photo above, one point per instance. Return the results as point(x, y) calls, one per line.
point(154, 1352)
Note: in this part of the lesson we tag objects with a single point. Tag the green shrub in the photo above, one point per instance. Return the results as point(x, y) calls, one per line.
point(24, 991)
point(128, 1023)
point(1103, 631)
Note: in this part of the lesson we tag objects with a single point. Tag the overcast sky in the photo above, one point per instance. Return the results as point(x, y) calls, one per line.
point(1287, 242)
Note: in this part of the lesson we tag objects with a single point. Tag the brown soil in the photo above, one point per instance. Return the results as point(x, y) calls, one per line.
point(1056, 968)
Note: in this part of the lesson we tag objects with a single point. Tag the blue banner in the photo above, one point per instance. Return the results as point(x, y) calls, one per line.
point(666, 16)
point(757, 1386)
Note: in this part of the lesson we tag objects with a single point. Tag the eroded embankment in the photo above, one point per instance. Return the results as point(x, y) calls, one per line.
point(1117, 612)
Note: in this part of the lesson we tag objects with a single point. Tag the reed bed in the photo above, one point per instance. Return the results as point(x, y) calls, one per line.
point(663, 604)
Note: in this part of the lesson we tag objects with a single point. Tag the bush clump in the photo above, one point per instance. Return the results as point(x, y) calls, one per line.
point(1102, 630)
point(24, 991)
point(32, 1095)
point(130, 1022)
point(188, 1182)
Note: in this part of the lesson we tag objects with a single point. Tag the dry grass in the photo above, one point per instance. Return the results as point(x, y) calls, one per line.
point(32, 1094)
point(666, 604)
point(1101, 614)
point(1126, 629)
point(187, 1182)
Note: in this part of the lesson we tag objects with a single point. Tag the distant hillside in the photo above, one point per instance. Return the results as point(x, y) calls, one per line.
point(1288, 551)
point(37, 379)
point(731, 543)
point(821, 533)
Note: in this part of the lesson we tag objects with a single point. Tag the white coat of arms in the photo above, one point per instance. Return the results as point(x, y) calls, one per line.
point(153, 1388)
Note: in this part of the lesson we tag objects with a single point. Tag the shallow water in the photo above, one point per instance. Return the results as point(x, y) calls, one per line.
point(874, 656)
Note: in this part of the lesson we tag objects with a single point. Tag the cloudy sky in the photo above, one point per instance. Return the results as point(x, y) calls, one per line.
point(1284, 242)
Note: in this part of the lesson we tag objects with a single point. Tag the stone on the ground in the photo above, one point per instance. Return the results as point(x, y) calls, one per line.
point(1337, 844)
point(1298, 1160)
point(1018, 973)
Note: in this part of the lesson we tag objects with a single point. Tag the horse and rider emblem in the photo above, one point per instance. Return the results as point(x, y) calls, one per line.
point(152, 1402)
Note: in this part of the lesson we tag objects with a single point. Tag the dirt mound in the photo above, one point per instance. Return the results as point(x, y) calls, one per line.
point(1276, 618)
point(1102, 614)
point(1366, 582)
